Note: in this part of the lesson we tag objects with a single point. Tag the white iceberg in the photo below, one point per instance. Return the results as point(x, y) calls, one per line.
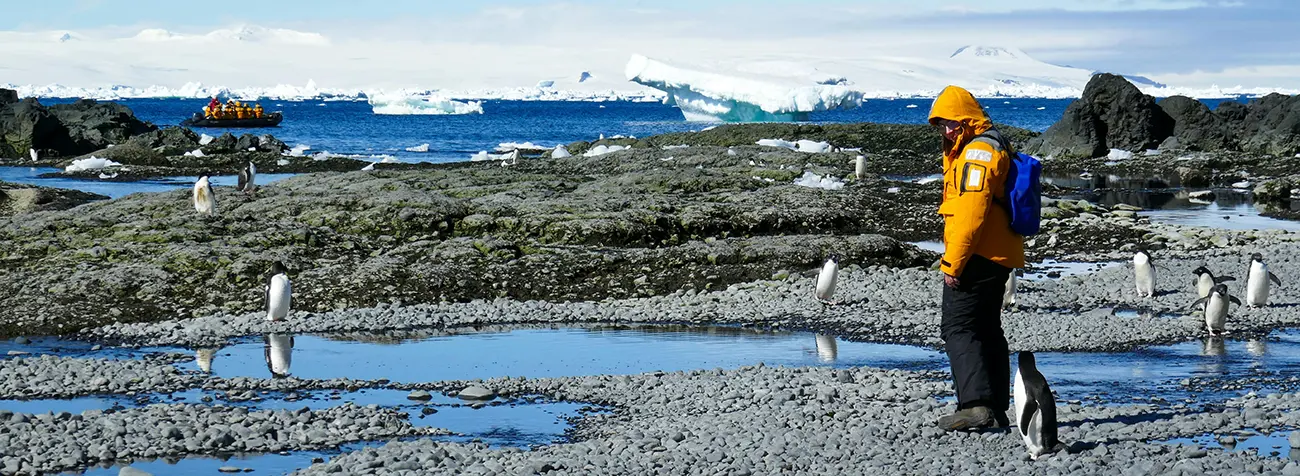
point(561, 152)
point(526, 146)
point(419, 148)
point(803, 145)
point(603, 149)
point(421, 105)
point(813, 180)
point(90, 163)
point(713, 97)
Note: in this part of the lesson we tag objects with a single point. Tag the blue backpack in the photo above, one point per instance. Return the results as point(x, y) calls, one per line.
point(1024, 193)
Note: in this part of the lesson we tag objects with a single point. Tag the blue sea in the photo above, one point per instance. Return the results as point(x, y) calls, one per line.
point(350, 128)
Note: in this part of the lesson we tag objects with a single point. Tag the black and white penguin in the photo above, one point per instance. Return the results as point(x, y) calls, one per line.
point(1144, 274)
point(1258, 280)
point(860, 167)
point(32, 152)
point(1216, 308)
point(1035, 409)
point(279, 293)
point(1009, 294)
point(279, 354)
point(827, 278)
point(1205, 281)
point(247, 179)
point(205, 202)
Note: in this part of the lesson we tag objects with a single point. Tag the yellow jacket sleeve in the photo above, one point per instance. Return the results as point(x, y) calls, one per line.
point(970, 183)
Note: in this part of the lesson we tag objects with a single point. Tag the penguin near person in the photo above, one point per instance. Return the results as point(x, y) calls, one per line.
point(1258, 280)
point(205, 202)
point(1035, 409)
point(1216, 308)
point(1144, 274)
point(1009, 294)
point(1205, 281)
point(827, 279)
point(247, 179)
point(279, 293)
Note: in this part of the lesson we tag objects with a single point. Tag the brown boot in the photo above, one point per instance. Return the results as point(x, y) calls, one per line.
point(969, 419)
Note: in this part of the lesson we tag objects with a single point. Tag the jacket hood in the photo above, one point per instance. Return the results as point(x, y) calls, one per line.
point(957, 104)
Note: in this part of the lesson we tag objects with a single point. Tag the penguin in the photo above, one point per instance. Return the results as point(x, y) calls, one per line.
point(279, 293)
point(1205, 281)
point(32, 152)
point(827, 348)
point(1144, 274)
point(1035, 409)
point(1009, 294)
point(247, 177)
point(205, 202)
point(279, 354)
point(1257, 281)
point(827, 278)
point(1216, 308)
point(204, 358)
point(860, 167)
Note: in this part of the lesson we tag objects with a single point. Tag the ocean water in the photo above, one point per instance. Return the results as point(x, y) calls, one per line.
point(346, 127)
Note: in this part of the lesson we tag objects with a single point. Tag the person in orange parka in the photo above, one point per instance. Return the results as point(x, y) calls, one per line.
point(980, 252)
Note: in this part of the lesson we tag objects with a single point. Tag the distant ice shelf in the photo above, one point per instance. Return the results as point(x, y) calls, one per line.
point(740, 97)
point(417, 105)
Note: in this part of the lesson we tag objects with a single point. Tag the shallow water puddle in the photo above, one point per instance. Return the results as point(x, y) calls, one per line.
point(32, 176)
point(261, 463)
point(1235, 217)
point(1053, 269)
point(1275, 444)
point(551, 352)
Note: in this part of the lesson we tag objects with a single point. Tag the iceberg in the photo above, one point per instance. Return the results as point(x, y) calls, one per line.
point(526, 146)
point(90, 163)
point(713, 97)
point(430, 105)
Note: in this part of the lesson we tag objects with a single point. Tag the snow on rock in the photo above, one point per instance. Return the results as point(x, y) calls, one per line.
point(427, 105)
point(483, 155)
point(561, 152)
point(1117, 155)
point(713, 97)
point(812, 180)
point(802, 145)
point(206, 139)
point(603, 149)
point(90, 163)
point(195, 153)
point(419, 148)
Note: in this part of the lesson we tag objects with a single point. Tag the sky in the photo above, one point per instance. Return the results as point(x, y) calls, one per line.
point(1195, 41)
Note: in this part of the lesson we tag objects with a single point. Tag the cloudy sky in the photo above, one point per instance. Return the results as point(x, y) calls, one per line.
point(1198, 41)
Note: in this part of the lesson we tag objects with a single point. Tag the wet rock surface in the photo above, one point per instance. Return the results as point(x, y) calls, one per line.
point(16, 199)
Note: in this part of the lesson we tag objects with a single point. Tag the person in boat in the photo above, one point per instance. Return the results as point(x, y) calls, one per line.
point(257, 111)
point(214, 106)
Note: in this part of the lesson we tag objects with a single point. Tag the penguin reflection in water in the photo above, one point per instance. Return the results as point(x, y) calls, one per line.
point(203, 357)
point(1035, 409)
point(279, 354)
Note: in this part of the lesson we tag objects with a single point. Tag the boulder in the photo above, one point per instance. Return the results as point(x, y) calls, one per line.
point(93, 125)
point(1272, 125)
point(1111, 114)
point(169, 140)
point(8, 96)
point(27, 124)
point(1275, 190)
point(224, 144)
point(245, 142)
point(269, 143)
point(1195, 126)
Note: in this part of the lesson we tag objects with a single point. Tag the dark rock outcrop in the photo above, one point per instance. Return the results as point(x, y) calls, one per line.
point(1111, 114)
point(63, 130)
point(223, 144)
point(1195, 126)
point(268, 143)
point(169, 140)
point(1272, 125)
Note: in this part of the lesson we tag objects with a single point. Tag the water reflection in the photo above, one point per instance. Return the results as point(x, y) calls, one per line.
point(827, 349)
point(279, 350)
point(1213, 347)
point(1257, 347)
point(204, 358)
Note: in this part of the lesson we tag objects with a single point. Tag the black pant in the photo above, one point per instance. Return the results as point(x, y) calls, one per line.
point(972, 335)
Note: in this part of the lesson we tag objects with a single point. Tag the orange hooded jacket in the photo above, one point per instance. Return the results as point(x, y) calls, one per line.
point(974, 174)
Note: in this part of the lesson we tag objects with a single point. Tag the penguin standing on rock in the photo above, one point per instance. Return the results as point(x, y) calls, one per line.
point(860, 167)
point(247, 176)
point(1205, 281)
point(827, 278)
point(1035, 409)
point(1216, 308)
point(1144, 274)
point(205, 202)
point(278, 293)
point(1257, 281)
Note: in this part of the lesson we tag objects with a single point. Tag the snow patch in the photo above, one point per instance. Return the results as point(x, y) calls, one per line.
point(195, 153)
point(419, 148)
point(812, 180)
point(714, 97)
point(803, 145)
point(90, 163)
point(417, 105)
point(603, 149)
point(1118, 155)
point(206, 139)
point(561, 152)
point(298, 150)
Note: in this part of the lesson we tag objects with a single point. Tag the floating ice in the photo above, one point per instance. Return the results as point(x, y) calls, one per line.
point(813, 180)
point(195, 153)
point(206, 139)
point(90, 163)
point(528, 146)
point(1118, 154)
point(912, 106)
point(603, 149)
point(561, 152)
point(298, 150)
point(713, 97)
point(417, 105)
point(419, 148)
point(803, 145)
